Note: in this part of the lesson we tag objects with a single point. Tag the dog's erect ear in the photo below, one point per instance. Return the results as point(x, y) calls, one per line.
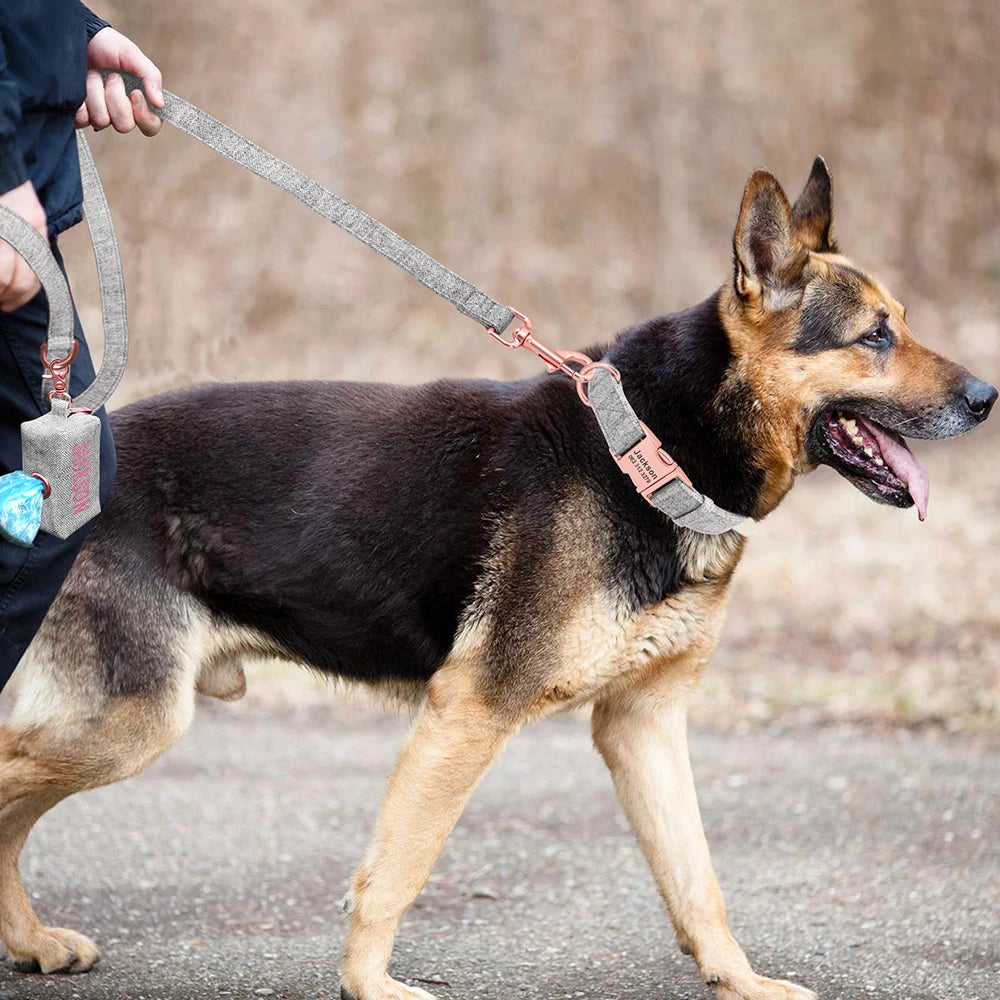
point(812, 215)
point(768, 259)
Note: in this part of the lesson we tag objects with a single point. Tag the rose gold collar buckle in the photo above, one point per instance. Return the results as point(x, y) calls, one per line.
point(648, 465)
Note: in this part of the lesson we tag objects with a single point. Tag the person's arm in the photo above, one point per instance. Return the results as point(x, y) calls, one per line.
point(12, 168)
point(93, 22)
point(18, 283)
point(109, 104)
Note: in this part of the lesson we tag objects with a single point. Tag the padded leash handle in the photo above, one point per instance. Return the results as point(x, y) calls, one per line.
point(34, 249)
point(23, 237)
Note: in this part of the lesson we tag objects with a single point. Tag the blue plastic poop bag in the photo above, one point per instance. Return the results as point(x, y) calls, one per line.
point(20, 507)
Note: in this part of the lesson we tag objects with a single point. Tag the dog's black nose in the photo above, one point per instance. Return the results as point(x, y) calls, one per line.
point(980, 397)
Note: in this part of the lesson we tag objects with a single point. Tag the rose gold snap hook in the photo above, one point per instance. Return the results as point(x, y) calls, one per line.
point(59, 363)
point(58, 369)
point(555, 361)
point(518, 337)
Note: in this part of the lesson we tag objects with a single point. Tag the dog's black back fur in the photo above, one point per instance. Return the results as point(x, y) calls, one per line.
point(401, 489)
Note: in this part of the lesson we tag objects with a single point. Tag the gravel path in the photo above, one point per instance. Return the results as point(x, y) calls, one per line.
point(860, 865)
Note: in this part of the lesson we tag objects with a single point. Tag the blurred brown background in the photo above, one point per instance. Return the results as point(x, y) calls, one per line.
point(584, 161)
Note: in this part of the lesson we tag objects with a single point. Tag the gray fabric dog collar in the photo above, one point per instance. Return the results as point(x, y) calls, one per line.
point(625, 435)
point(659, 480)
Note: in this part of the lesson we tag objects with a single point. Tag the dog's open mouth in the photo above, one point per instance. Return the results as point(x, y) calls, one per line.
point(877, 460)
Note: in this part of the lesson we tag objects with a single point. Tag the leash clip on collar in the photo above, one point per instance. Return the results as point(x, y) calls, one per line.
point(637, 451)
point(555, 361)
point(646, 463)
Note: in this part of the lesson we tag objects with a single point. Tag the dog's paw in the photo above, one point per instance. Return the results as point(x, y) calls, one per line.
point(55, 950)
point(756, 987)
point(381, 987)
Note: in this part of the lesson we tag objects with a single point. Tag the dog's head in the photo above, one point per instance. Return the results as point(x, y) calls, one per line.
point(834, 374)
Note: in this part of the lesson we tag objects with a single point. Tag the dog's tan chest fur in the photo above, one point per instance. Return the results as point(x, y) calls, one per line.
point(603, 646)
point(601, 649)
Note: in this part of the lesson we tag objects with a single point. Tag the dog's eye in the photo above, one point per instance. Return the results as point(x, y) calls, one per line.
point(879, 337)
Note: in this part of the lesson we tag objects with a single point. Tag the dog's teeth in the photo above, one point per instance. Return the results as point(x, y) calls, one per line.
point(878, 461)
point(858, 440)
point(869, 453)
point(850, 426)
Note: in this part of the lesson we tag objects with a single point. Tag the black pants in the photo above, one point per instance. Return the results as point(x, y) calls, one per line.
point(30, 578)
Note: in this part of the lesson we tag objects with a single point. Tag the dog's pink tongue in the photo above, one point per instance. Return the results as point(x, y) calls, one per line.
point(904, 463)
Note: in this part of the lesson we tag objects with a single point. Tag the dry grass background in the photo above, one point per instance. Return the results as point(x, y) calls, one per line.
point(584, 161)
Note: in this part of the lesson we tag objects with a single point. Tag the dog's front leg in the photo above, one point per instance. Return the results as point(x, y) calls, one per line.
point(642, 736)
point(454, 740)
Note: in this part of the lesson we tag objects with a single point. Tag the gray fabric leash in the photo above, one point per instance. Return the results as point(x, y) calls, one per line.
point(33, 248)
point(463, 295)
point(36, 252)
point(111, 281)
point(628, 439)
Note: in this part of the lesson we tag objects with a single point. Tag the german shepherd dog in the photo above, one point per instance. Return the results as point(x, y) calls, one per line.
point(471, 547)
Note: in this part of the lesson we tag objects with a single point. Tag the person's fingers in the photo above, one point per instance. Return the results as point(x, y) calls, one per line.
point(39, 222)
point(42, 228)
point(23, 287)
point(8, 268)
point(27, 284)
point(97, 107)
point(119, 106)
point(136, 61)
point(149, 123)
point(82, 116)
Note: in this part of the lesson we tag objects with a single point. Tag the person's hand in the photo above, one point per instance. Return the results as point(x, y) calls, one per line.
point(18, 283)
point(111, 105)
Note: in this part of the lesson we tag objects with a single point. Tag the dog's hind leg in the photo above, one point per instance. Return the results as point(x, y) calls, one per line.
point(68, 731)
point(454, 740)
point(30, 946)
point(642, 735)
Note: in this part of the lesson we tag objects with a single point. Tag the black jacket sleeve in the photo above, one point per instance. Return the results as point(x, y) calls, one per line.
point(93, 22)
point(12, 169)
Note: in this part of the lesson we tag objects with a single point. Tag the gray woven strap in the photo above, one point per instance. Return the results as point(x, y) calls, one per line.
point(34, 249)
point(23, 237)
point(621, 428)
point(110, 279)
point(465, 297)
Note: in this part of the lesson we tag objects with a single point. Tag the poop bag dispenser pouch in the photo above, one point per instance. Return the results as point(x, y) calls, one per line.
point(62, 450)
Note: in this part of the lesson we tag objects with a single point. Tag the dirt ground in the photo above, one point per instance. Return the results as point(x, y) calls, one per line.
point(862, 865)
